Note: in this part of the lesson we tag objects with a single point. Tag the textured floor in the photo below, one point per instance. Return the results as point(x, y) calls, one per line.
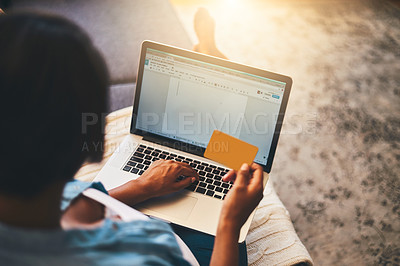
point(337, 166)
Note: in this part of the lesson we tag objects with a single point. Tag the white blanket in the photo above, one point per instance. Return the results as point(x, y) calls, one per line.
point(272, 239)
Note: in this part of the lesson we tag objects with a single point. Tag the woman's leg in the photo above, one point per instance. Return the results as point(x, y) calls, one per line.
point(202, 245)
point(204, 26)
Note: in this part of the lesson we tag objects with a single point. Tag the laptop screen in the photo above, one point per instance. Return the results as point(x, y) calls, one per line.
point(186, 99)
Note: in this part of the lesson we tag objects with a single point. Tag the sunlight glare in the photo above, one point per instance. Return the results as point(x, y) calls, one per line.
point(232, 3)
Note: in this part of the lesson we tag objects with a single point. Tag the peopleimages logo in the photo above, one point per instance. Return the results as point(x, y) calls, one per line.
point(205, 123)
point(201, 124)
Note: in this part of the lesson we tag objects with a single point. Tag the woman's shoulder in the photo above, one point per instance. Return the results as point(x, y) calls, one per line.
point(113, 242)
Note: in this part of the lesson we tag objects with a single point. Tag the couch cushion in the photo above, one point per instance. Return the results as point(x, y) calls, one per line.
point(121, 96)
point(118, 27)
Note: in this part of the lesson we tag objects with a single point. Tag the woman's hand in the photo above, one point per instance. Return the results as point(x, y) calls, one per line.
point(241, 200)
point(160, 179)
point(244, 196)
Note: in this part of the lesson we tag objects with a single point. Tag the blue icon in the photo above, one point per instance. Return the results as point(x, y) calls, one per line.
point(275, 96)
point(146, 62)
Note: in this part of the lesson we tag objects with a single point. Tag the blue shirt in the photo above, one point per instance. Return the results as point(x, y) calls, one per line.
point(139, 242)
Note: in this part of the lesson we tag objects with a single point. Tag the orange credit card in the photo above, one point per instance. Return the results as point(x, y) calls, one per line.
point(230, 151)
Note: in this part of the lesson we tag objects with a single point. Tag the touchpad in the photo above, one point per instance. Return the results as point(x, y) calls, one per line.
point(177, 205)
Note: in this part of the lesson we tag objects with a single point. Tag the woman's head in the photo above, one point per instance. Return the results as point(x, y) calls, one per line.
point(51, 77)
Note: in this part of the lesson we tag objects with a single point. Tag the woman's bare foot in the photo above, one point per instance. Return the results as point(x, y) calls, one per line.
point(204, 26)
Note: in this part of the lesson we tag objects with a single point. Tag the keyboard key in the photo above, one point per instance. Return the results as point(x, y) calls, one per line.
point(205, 164)
point(200, 167)
point(225, 185)
point(165, 152)
point(169, 158)
point(216, 172)
point(147, 152)
point(209, 175)
point(150, 148)
point(202, 184)
point(223, 197)
point(178, 160)
point(200, 190)
point(188, 159)
point(221, 169)
point(139, 149)
point(217, 196)
point(140, 166)
point(202, 178)
point(217, 177)
point(141, 172)
point(226, 191)
point(146, 167)
point(157, 150)
point(193, 165)
point(134, 170)
point(155, 153)
point(137, 159)
point(210, 193)
point(217, 183)
point(208, 180)
point(130, 163)
point(195, 161)
point(127, 168)
point(147, 162)
point(173, 155)
point(212, 187)
point(142, 146)
point(208, 169)
point(218, 189)
point(202, 173)
point(148, 157)
point(155, 159)
point(181, 157)
point(138, 154)
point(162, 156)
point(213, 166)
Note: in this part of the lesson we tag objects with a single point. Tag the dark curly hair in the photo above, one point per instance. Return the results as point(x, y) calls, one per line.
point(51, 77)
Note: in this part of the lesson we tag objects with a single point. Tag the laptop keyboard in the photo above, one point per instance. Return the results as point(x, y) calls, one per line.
point(210, 176)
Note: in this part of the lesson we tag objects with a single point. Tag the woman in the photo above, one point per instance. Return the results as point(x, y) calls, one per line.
point(50, 76)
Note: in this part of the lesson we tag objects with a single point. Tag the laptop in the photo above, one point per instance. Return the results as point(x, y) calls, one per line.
point(181, 97)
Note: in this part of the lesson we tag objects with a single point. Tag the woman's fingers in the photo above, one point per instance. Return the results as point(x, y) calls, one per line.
point(184, 183)
point(187, 170)
point(256, 183)
point(243, 175)
point(257, 172)
point(175, 169)
point(230, 176)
